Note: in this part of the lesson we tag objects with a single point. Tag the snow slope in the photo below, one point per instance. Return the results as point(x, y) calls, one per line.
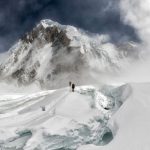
point(69, 120)
point(132, 122)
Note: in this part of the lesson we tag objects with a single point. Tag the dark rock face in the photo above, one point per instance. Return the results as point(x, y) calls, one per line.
point(31, 36)
point(18, 73)
point(49, 76)
point(50, 34)
point(64, 40)
point(32, 74)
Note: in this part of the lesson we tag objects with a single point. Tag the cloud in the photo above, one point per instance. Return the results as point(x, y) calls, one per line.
point(99, 16)
point(137, 14)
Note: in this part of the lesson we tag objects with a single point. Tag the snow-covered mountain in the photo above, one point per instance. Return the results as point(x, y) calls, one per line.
point(53, 53)
point(110, 115)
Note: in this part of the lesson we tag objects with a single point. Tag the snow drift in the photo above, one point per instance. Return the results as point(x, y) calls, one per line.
point(132, 122)
point(69, 120)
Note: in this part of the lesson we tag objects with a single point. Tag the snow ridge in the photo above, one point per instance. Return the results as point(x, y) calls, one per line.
point(63, 124)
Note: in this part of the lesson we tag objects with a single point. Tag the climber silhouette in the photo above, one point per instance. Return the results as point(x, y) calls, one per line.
point(70, 83)
point(43, 108)
point(73, 87)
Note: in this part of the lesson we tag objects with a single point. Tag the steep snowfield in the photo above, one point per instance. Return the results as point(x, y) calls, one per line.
point(69, 120)
point(132, 122)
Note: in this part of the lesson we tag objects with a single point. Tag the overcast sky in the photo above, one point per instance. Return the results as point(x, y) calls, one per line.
point(99, 16)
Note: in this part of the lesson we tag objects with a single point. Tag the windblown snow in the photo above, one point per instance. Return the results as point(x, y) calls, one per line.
point(52, 52)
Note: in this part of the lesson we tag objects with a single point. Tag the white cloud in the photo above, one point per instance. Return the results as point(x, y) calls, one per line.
point(137, 14)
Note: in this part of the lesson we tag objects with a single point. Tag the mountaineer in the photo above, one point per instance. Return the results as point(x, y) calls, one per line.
point(73, 87)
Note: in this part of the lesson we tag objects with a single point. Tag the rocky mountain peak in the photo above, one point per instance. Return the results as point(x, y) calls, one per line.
point(51, 34)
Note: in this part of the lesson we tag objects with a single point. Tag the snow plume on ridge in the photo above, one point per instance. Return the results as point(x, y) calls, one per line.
point(52, 52)
point(137, 13)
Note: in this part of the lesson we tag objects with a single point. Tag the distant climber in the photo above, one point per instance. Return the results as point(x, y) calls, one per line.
point(73, 87)
point(70, 83)
point(43, 108)
point(70, 86)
